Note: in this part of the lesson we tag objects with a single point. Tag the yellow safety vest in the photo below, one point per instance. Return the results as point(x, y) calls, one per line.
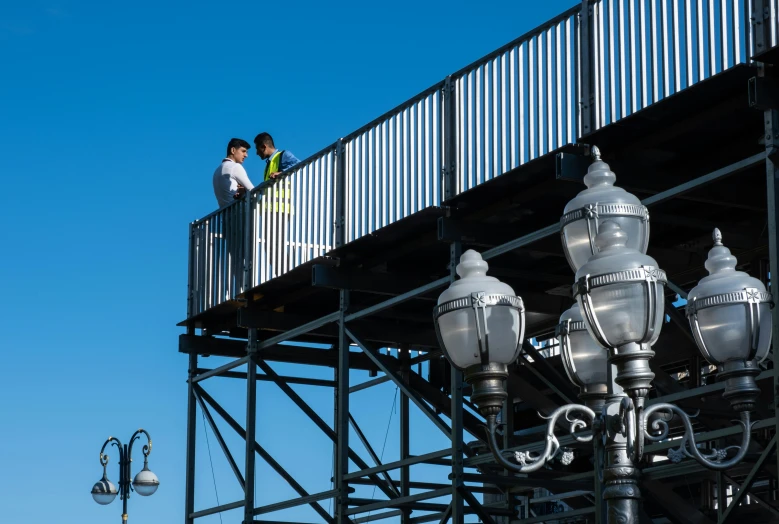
point(283, 195)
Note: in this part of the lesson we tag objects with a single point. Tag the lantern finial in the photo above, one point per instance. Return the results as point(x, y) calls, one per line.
point(595, 153)
point(719, 258)
point(717, 236)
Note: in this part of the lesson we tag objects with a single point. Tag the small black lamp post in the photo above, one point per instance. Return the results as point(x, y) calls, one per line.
point(145, 483)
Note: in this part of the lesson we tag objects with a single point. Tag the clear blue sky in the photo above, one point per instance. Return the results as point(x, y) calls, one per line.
point(113, 117)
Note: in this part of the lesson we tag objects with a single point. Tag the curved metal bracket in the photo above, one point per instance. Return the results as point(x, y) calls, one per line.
point(526, 461)
point(689, 448)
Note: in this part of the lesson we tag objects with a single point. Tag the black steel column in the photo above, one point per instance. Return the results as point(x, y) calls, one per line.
point(340, 193)
point(450, 139)
point(251, 427)
point(587, 95)
point(189, 497)
point(458, 515)
point(405, 471)
point(762, 35)
point(342, 418)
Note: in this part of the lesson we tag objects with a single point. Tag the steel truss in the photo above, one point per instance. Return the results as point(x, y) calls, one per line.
point(472, 472)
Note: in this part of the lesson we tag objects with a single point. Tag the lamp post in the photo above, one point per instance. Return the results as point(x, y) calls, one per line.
point(607, 337)
point(145, 482)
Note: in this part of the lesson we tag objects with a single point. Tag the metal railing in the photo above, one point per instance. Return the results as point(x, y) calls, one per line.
point(572, 75)
point(292, 219)
point(646, 50)
point(216, 257)
point(393, 165)
point(518, 103)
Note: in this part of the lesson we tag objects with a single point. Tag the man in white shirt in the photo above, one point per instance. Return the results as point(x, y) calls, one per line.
point(230, 178)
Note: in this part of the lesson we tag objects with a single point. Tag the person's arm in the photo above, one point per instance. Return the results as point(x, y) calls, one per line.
point(288, 161)
point(244, 184)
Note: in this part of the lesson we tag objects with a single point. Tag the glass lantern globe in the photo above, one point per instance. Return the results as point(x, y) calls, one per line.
point(585, 361)
point(104, 491)
point(620, 292)
point(145, 482)
point(729, 311)
point(479, 319)
point(601, 201)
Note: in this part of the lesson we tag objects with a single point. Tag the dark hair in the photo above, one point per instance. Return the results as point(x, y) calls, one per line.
point(264, 138)
point(236, 143)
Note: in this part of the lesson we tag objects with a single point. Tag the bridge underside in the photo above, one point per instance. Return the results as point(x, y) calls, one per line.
point(697, 159)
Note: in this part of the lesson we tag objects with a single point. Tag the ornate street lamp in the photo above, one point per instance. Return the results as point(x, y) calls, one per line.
point(145, 483)
point(619, 313)
point(480, 324)
point(601, 201)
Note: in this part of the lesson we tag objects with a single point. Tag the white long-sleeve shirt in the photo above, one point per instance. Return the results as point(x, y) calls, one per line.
point(226, 179)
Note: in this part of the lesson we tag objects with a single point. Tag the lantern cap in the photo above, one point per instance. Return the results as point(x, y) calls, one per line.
point(599, 173)
point(613, 254)
point(720, 259)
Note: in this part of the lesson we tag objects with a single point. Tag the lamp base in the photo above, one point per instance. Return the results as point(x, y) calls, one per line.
point(633, 372)
point(594, 397)
point(740, 387)
point(488, 391)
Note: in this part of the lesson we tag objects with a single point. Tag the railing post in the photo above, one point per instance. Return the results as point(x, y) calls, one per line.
point(450, 140)
point(249, 249)
point(340, 193)
point(587, 95)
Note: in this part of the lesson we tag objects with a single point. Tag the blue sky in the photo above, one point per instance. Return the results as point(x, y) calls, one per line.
point(112, 120)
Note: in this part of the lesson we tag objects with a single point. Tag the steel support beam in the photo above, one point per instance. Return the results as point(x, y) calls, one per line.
point(373, 354)
point(292, 503)
point(749, 480)
point(212, 511)
point(263, 453)
point(221, 369)
point(388, 488)
point(322, 425)
point(405, 430)
point(389, 466)
point(284, 379)
point(342, 416)
point(485, 517)
point(394, 301)
point(399, 501)
point(222, 443)
point(189, 498)
point(251, 427)
point(301, 330)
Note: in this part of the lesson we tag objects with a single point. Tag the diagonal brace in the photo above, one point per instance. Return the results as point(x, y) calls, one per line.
point(372, 353)
point(388, 489)
point(264, 454)
point(221, 441)
point(747, 485)
point(485, 517)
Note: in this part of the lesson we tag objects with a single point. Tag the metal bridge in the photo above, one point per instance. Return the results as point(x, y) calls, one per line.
point(351, 247)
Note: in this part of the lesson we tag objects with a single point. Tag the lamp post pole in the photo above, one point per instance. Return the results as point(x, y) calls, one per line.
point(145, 482)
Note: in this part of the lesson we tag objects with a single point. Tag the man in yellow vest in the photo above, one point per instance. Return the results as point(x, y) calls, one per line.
point(279, 245)
point(275, 161)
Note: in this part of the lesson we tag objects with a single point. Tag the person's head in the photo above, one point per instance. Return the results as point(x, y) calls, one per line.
point(264, 144)
point(237, 149)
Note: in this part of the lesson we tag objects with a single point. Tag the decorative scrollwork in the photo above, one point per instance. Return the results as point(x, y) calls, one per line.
point(577, 416)
point(714, 459)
